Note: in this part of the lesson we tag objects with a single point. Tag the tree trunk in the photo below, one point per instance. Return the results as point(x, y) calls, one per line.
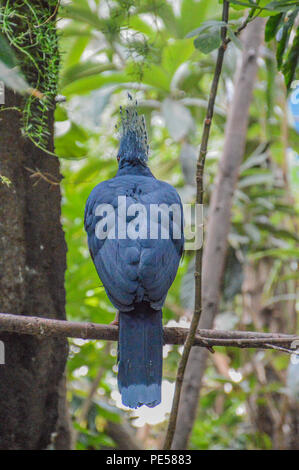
point(219, 225)
point(123, 436)
point(32, 266)
point(271, 413)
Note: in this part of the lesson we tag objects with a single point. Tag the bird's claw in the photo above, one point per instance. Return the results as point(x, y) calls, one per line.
point(116, 320)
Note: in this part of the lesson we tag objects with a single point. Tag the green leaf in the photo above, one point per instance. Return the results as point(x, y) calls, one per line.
point(283, 43)
point(13, 78)
point(175, 54)
point(208, 42)
point(244, 4)
point(284, 253)
point(253, 161)
point(272, 26)
point(9, 71)
point(290, 65)
point(60, 114)
point(166, 13)
point(136, 23)
point(7, 55)
point(72, 144)
point(206, 25)
point(178, 118)
point(83, 15)
point(282, 5)
point(290, 276)
point(75, 48)
point(279, 232)
point(82, 70)
point(108, 412)
point(235, 40)
point(5, 180)
point(275, 6)
point(193, 12)
point(152, 75)
point(93, 82)
point(253, 180)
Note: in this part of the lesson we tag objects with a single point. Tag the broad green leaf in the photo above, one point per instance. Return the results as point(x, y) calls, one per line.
point(193, 13)
point(91, 170)
point(175, 54)
point(283, 42)
point(166, 13)
point(253, 232)
point(272, 26)
point(290, 64)
point(284, 253)
point(178, 119)
point(141, 26)
point(76, 47)
point(208, 42)
point(87, 84)
point(235, 40)
point(253, 180)
point(13, 78)
point(82, 70)
point(7, 55)
point(275, 6)
point(108, 412)
point(279, 232)
point(282, 5)
point(83, 15)
point(289, 277)
point(60, 114)
point(152, 75)
point(216, 25)
point(10, 73)
point(72, 144)
point(263, 202)
point(244, 4)
point(253, 161)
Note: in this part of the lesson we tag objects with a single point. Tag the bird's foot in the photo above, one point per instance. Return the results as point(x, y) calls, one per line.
point(116, 320)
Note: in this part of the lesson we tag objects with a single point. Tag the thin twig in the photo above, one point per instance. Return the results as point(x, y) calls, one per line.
point(50, 17)
point(198, 260)
point(249, 18)
point(42, 176)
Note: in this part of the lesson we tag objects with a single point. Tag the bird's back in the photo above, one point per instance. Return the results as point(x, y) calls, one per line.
point(140, 265)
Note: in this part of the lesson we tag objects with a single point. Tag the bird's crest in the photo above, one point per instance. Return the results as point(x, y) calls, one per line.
point(132, 134)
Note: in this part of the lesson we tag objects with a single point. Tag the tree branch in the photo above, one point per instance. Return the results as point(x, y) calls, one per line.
point(45, 327)
point(122, 435)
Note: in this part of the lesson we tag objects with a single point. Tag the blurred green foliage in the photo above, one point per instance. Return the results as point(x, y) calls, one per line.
point(108, 48)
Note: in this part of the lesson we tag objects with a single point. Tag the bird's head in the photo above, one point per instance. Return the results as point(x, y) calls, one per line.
point(133, 146)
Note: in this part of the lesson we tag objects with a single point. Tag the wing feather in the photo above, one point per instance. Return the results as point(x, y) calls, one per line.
point(141, 269)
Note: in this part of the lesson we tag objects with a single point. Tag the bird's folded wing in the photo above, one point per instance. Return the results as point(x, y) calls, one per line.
point(134, 270)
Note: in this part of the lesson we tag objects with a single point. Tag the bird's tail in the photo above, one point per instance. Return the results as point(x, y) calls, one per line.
point(140, 356)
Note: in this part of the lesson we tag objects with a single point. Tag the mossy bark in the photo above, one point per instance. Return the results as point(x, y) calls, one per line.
point(32, 267)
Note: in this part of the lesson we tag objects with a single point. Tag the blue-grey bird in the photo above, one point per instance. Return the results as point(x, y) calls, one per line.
point(136, 250)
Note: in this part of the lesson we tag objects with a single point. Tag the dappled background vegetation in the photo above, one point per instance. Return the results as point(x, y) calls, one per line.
point(249, 397)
